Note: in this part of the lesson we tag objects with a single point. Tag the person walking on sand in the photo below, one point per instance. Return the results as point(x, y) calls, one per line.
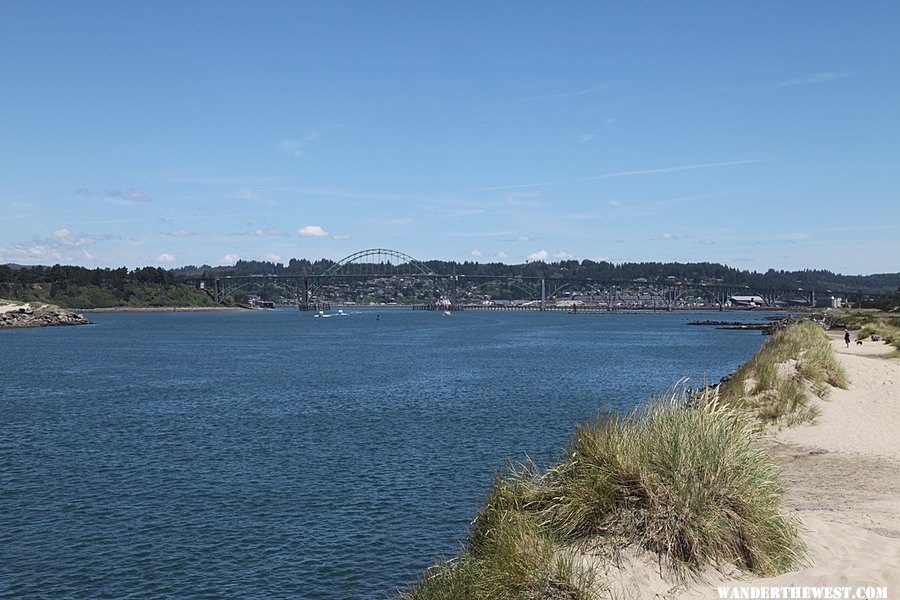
point(847, 338)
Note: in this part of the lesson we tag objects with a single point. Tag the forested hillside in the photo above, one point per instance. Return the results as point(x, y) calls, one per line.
point(79, 287)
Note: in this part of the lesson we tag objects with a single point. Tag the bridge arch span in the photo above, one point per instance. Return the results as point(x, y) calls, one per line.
point(375, 262)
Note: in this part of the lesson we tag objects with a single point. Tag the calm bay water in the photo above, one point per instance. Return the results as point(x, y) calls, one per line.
point(273, 454)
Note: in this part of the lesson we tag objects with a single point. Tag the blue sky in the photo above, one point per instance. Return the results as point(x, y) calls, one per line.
point(167, 133)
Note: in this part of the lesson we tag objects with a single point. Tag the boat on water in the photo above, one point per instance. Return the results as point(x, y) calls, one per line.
point(321, 313)
point(447, 313)
point(341, 313)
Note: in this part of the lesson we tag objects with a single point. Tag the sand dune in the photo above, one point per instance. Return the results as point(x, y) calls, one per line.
point(843, 479)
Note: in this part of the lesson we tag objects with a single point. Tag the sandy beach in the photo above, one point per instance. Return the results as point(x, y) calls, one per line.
point(843, 480)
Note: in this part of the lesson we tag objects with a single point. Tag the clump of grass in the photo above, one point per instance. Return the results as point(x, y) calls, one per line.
point(508, 557)
point(766, 388)
point(888, 332)
point(690, 484)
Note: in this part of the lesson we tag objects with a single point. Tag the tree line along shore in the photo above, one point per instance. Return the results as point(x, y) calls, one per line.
point(83, 288)
point(690, 491)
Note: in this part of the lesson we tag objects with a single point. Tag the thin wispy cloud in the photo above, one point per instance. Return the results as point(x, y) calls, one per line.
point(624, 174)
point(352, 194)
point(678, 168)
point(509, 187)
point(181, 233)
point(263, 232)
point(815, 78)
point(251, 195)
point(572, 94)
point(126, 197)
point(294, 146)
point(516, 238)
point(616, 208)
point(246, 181)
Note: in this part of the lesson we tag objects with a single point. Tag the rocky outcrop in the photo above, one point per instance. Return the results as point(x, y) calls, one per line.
point(38, 316)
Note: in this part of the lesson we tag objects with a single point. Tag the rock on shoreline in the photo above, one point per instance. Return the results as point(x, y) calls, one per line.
point(45, 315)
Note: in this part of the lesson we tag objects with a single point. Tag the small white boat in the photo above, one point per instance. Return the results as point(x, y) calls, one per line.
point(341, 313)
point(447, 313)
point(322, 314)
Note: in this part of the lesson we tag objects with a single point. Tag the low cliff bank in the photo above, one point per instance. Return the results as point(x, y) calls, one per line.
point(36, 314)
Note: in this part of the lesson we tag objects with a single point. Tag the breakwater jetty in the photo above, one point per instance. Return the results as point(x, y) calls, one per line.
point(37, 315)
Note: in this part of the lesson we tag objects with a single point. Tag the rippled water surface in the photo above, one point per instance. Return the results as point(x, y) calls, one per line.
point(273, 454)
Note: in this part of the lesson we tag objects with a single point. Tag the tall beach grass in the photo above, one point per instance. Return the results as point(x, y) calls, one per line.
point(686, 480)
point(689, 483)
point(889, 332)
point(777, 382)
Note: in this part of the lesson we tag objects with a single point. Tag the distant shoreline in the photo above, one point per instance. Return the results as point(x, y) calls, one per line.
point(160, 309)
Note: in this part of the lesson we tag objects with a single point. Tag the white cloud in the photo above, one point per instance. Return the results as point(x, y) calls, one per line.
point(815, 78)
point(60, 247)
point(522, 238)
point(272, 257)
point(343, 237)
point(502, 255)
point(668, 236)
point(312, 231)
point(563, 256)
point(476, 253)
point(230, 259)
point(583, 138)
point(165, 257)
point(180, 233)
point(540, 255)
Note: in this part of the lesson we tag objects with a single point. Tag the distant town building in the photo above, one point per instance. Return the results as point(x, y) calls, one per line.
point(747, 301)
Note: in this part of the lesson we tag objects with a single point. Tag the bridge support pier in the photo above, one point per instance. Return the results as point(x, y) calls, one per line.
point(543, 294)
point(303, 302)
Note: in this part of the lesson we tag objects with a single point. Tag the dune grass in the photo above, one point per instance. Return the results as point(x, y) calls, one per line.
point(508, 557)
point(688, 482)
point(889, 332)
point(776, 383)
